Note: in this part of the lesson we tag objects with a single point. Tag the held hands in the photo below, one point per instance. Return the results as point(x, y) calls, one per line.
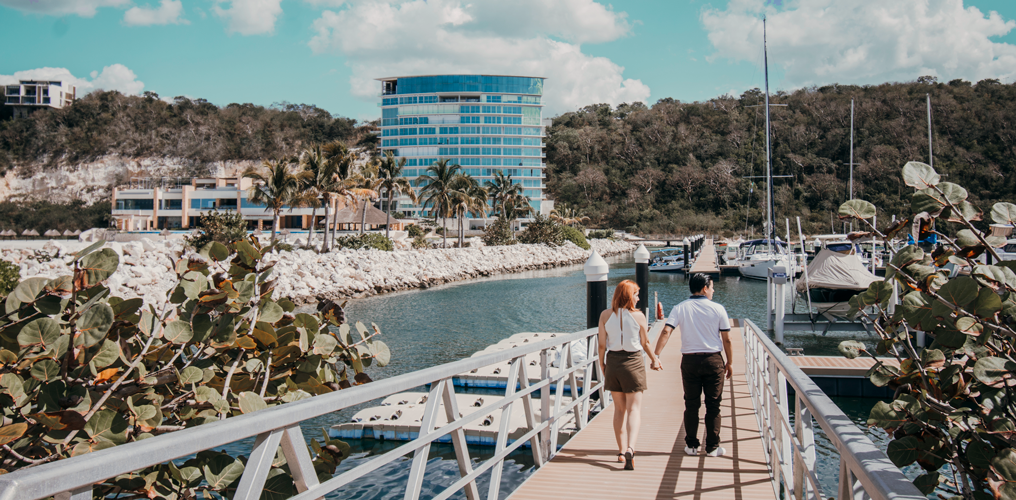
point(656, 364)
point(729, 369)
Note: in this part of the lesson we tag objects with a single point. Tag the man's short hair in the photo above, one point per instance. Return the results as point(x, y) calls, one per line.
point(699, 282)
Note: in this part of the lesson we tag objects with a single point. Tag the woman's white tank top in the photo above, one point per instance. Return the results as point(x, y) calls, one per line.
point(622, 332)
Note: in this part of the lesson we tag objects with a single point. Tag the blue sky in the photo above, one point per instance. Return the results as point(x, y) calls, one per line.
point(327, 52)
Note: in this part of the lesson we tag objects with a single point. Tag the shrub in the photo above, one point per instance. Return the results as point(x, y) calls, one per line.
point(601, 234)
point(439, 230)
point(499, 233)
point(575, 236)
point(543, 230)
point(366, 240)
point(954, 402)
point(414, 231)
point(224, 227)
point(10, 274)
point(420, 242)
point(220, 347)
point(283, 247)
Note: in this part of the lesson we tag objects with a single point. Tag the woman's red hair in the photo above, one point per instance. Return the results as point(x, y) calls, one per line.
point(623, 296)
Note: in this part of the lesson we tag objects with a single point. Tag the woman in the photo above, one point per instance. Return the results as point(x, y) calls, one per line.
point(622, 341)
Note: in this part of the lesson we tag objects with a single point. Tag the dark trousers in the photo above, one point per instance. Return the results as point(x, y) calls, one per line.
point(702, 374)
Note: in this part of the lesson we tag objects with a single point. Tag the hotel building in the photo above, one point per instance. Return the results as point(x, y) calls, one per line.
point(484, 123)
point(29, 95)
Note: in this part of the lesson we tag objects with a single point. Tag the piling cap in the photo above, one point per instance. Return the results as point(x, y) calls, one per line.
point(596, 268)
point(686, 242)
point(641, 255)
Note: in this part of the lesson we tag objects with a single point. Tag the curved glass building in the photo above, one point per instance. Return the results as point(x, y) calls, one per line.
point(485, 123)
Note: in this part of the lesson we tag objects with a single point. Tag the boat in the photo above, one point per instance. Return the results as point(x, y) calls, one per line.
point(667, 261)
point(832, 279)
point(758, 258)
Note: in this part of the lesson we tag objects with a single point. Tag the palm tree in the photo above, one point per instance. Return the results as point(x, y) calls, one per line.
point(339, 182)
point(321, 168)
point(516, 205)
point(275, 186)
point(500, 189)
point(463, 200)
point(365, 187)
point(440, 185)
point(394, 184)
point(568, 216)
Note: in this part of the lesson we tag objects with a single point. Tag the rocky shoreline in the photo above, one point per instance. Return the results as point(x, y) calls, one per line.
point(146, 267)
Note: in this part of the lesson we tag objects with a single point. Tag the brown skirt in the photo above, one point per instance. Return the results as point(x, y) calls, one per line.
point(625, 372)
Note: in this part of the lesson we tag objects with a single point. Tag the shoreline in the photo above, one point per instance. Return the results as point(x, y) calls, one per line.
point(304, 276)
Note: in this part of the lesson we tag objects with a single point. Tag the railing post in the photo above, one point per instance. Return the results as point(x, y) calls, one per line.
point(259, 464)
point(687, 253)
point(778, 277)
point(596, 270)
point(642, 277)
point(804, 429)
point(545, 403)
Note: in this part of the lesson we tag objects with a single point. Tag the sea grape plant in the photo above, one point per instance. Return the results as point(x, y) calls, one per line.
point(81, 370)
point(954, 410)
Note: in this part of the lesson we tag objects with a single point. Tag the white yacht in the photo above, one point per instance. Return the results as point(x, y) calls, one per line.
point(758, 256)
point(667, 261)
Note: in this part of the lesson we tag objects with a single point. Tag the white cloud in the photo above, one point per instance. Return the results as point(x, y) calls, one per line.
point(168, 12)
point(525, 37)
point(249, 17)
point(113, 77)
point(83, 8)
point(818, 42)
point(325, 3)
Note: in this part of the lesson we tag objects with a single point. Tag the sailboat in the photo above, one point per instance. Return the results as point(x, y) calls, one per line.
point(761, 255)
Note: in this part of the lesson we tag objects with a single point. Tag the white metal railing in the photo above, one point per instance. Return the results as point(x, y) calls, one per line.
point(865, 471)
point(72, 479)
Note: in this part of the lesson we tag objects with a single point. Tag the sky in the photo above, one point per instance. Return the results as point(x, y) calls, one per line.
point(328, 52)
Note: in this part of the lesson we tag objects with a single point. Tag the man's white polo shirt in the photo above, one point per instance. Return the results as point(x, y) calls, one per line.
point(701, 321)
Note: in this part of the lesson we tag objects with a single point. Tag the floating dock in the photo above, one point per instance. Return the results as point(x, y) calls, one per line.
point(706, 262)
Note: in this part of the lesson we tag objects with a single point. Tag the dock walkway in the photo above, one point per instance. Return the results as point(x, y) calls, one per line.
point(587, 467)
point(706, 262)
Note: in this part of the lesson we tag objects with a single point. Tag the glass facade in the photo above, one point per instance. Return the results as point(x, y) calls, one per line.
point(485, 124)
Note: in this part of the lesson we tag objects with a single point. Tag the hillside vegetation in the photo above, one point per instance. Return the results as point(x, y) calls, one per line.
point(110, 123)
point(677, 167)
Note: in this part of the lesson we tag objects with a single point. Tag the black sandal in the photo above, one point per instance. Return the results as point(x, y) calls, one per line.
point(620, 457)
point(629, 457)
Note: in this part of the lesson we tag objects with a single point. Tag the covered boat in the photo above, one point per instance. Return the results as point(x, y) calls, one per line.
point(833, 278)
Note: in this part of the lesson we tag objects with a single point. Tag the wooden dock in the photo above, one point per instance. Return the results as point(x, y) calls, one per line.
point(837, 366)
point(587, 467)
point(706, 262)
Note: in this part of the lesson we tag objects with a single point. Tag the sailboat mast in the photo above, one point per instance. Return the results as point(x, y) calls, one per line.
point(931, 154)
point(851, 149)
point(770, 216)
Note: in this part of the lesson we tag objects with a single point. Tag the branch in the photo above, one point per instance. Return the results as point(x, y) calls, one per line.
point(968, 224)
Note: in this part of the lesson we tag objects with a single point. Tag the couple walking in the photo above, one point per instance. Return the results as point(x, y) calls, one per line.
point(623, 338)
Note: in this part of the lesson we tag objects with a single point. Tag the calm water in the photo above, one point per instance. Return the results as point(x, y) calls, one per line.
point(425, 328)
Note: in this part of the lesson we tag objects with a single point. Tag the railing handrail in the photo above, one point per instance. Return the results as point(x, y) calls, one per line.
point(73, 474)
point(877, 475)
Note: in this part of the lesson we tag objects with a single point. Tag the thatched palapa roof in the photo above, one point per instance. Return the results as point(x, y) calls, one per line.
point(375, 217)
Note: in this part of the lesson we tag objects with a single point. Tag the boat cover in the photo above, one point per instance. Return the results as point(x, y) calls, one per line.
point(836, 271)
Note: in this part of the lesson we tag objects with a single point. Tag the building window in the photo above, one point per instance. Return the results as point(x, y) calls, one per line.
point(170, 204)
point(202, 203)
point(134, 204)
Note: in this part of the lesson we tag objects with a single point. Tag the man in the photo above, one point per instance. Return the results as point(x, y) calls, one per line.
point(704, 330)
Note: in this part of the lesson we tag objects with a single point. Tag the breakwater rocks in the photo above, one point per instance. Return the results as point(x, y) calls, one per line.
point(146, 267)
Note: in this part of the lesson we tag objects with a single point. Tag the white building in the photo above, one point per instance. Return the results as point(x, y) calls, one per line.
point(29, 95)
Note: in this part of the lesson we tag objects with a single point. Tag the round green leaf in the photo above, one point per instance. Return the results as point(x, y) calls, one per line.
point(856, 209)
point(28, 290)
point(324, 344)
point(1003, 213)
point(382, 355)
point(987, 304)
point(904, 451)
point(222, 471)
point(46, 370)
point(42, 331)
point(250, 402)
point(12, 432)
point(953, 192)
point(178, 332)
point(108, 353)
point(94, 324)
point(960, 291)
point(218, 252)
point(991, 370)
point(271, 312)
point(919, 175)
point(98, 266)
point(191, 375)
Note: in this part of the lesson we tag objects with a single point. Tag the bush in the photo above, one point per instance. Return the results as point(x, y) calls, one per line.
point(366, 240)
point(601, 234)
point(10, 274)
point(543, 230)
point(414, 231)
point(283, 247)
point(420, 242)
point(575, 236)
point(223, 346)
point(499, 233)
point(439, 230)
point(224, 227)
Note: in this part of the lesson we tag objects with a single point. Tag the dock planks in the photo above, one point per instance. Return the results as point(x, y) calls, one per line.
point(587, 467)
point(706, 262)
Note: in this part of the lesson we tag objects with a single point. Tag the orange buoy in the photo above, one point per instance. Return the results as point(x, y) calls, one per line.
point(659, 310)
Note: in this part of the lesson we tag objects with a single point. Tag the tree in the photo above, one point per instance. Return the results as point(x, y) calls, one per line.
point(394, 184)
point(341, 159)
point(275, 187)
point(439, 190)
point(954, 405)
point(84, 371)
point(568, 216)
point(500, 189)
point(313, 160)
point(467, 197)
point(365, 187)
